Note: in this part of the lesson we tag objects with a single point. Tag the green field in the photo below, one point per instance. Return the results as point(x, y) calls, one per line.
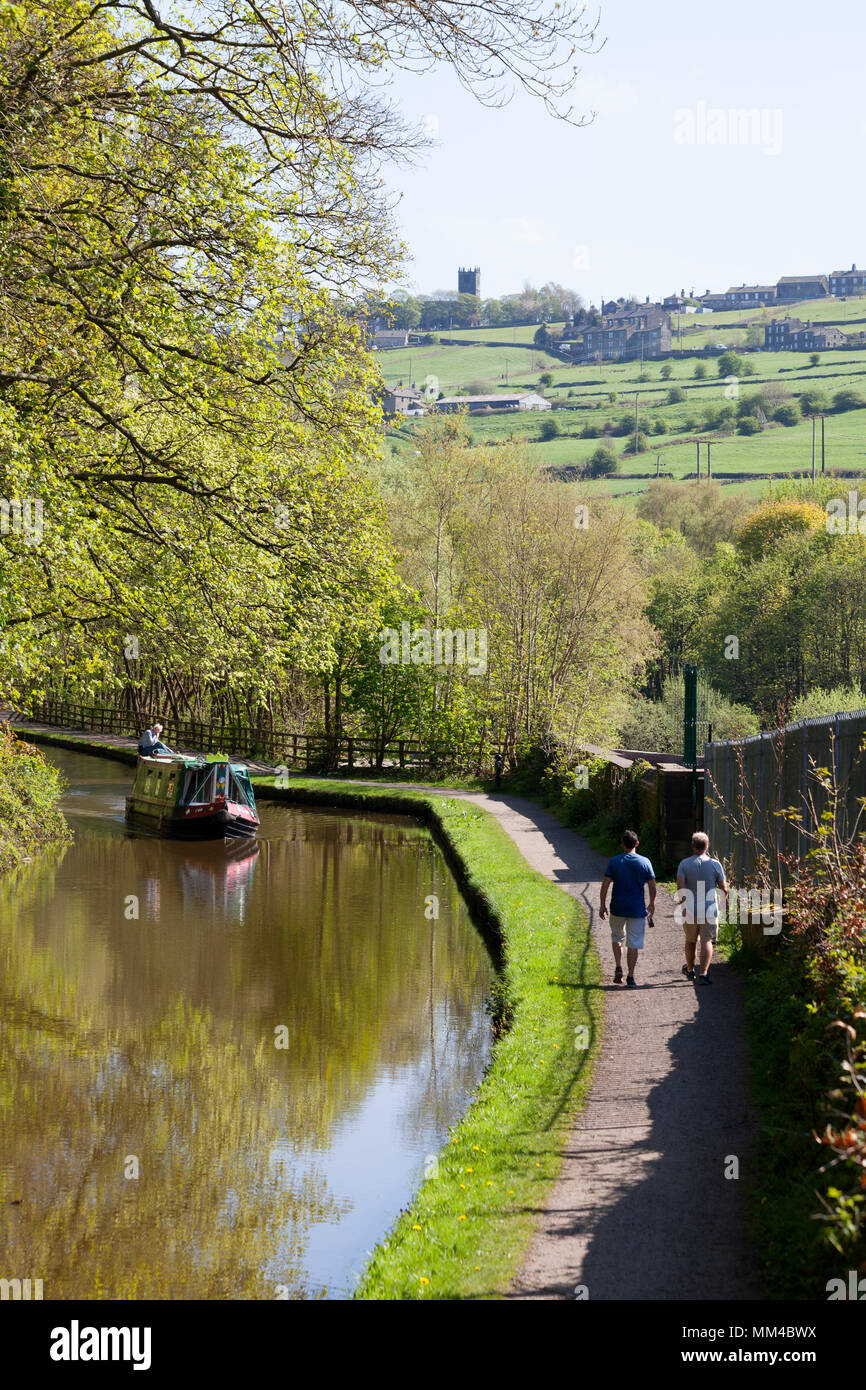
point(603, 396)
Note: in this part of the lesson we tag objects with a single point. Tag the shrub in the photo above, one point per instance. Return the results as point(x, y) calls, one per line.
point(641, 444)
point(700, 371)
point(549, 428)
point(814, 401)
point(659, 426)
point(666, 371)
point(30, 789)
point(730, 364)
point(675, 395)
point(546, 379)
point(590, 431)
point(814, 359)
point(602, 462)
point(848, 399)
point(788, 413)
point(749, 425)
point(842, 699)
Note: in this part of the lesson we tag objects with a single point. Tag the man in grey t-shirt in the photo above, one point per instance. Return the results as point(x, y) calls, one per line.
point(698, 879)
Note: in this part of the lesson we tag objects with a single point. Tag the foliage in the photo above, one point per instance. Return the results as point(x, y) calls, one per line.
point(602, 462)
point(30, 789)
point(843, 699)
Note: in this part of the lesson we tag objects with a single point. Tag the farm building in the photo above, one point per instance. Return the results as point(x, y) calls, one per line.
point(845, 282)
point(524, 400)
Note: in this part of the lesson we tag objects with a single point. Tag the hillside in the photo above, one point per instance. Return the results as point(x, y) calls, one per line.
point(592, 403)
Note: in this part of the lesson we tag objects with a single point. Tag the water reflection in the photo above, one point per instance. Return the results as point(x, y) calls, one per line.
point(145, 984)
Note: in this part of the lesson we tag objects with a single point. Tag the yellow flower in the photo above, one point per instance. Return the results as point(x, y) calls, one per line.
point(416, 1228)
point(462, 1218)
point(511, 1191)
point(424, 1281)
point(469, 1170)
point(489, 1183)
point(474, 1148)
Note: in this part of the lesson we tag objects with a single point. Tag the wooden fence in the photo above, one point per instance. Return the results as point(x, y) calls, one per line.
point(272, 745)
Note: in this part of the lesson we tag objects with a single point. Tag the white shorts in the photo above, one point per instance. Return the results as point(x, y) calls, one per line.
point(630, 929)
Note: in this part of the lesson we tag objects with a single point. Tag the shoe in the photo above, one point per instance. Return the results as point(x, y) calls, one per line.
point(617, 975)
point(631, 982)
point(689, 974)
point(704, 980)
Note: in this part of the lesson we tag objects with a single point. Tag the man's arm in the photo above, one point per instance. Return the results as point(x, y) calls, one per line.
point(653, 889)
point(602, 901)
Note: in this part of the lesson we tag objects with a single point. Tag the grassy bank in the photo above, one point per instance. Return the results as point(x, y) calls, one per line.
point(472, 1219)
point(30, 789)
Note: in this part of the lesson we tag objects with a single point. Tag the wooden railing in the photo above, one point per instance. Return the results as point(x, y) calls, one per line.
point(273, 745)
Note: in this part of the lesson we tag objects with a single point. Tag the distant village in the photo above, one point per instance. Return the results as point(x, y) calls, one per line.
point(620, 331)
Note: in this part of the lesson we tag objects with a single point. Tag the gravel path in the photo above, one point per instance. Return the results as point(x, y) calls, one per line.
point(642, 1208)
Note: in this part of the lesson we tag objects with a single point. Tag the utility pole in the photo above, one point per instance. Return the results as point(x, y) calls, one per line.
point(698, 443)
point(813, 419)
point(636, 394)
point(658, 464)
point(709, 462)
point(822, 444)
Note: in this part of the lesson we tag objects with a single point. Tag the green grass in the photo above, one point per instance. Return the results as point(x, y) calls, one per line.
point(464, 1234)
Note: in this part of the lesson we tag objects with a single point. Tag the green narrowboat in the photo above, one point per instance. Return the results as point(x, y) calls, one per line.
point(192, 798)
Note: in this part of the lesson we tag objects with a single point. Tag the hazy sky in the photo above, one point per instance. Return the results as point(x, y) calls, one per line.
point(647, 199)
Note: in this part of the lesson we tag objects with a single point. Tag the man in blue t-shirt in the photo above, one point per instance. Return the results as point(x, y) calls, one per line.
point(628, 873)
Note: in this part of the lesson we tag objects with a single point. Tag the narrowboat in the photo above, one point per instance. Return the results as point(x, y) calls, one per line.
point(192, 799)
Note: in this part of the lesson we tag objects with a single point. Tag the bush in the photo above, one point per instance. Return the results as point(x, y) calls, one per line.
point(772, 521)
point(546, 379)
point(549, 428)
point(30, 789)
point(641, 444)
point(814, 359)
point(814, 401)
point(700, 371)
point(659, 426)
point(787, 414)
point(602, 462)
point(730, 364)
point(843, 699)
point(675, 395)
point(848, 399)
point(590, 431)
point(666, 371)
point(749, 425)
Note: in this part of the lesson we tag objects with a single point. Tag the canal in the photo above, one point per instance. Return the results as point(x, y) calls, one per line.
point(224, 1075)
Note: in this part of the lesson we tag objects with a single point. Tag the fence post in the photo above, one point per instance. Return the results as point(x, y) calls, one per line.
point(804, 779)
point(729, 756)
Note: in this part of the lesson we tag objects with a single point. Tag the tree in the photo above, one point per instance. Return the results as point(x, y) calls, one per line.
point(700, 371)
point(602, 462)
point(848, 399)
point(675, 395)
point(549, 428)
point(666, 371)
point(731, 364)
point(814, 359)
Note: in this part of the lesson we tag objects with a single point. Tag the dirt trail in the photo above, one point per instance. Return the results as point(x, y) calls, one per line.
point(642, 1208)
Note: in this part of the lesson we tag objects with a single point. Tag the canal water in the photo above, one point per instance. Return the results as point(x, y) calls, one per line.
point(225, 1074)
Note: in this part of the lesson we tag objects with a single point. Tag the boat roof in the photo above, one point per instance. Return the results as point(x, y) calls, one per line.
point(162, 759)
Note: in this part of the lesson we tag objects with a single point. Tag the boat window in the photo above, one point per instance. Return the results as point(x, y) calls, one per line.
point(199, 787)
point(240, 788)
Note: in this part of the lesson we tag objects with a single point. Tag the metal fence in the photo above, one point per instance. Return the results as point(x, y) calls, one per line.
point(752, 782)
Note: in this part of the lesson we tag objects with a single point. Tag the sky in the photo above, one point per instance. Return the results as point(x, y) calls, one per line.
point(664, 190)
